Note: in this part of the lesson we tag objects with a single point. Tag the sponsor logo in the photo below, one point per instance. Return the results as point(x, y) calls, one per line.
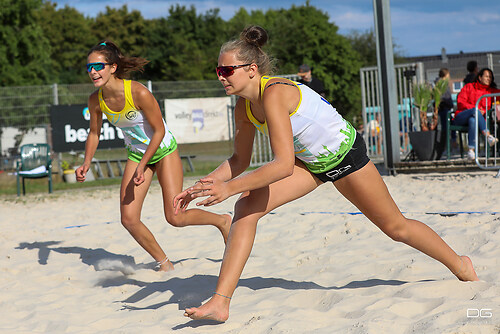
point(335, 173)
point(86, 114)
point(108, 132)
point(131, 115)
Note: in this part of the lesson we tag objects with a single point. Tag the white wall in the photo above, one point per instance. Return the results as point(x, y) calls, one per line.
point(8, 138)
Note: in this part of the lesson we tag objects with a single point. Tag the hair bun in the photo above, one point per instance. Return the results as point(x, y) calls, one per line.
point(254, 35)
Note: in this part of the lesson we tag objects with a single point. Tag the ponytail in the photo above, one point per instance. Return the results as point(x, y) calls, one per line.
point(113, 55)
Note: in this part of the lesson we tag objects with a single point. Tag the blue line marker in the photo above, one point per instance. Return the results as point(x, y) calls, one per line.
point(77, 226)
point(446, 213)
point(83, 225)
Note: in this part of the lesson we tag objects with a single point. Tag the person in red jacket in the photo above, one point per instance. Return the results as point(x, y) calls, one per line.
point(466, 105)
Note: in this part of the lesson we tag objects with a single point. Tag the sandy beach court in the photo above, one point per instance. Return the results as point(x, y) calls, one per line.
point(317, 266)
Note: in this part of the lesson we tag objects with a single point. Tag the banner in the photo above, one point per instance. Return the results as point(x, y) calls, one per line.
point(70, 128)
point(198, 120)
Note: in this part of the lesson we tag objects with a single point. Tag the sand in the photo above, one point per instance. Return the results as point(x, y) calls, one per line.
point(68, 266)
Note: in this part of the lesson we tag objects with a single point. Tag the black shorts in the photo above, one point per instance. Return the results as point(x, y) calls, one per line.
point(354, 160)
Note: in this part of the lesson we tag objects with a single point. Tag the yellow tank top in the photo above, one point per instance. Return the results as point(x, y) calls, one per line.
point(137, 132)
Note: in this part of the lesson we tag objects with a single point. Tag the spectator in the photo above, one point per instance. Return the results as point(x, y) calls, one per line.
point(466, 105)
point(307, 79)
point(444, 108)
point(472, 69)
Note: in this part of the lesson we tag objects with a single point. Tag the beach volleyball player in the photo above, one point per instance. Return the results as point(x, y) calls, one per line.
point(312, 144)
point(151, 148)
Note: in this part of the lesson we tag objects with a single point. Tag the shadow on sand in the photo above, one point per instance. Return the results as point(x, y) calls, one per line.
point(186, 292)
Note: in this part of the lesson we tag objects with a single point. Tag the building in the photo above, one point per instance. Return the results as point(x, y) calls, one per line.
point(457, 64)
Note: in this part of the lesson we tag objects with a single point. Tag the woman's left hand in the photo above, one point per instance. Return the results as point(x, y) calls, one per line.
point(139, 175)
point(216, 190)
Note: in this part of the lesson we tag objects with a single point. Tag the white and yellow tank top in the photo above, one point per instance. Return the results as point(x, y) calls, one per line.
point(321, 137)
point(137, 131)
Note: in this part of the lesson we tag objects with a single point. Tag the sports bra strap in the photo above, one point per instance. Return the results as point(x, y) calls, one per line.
point(279, 82)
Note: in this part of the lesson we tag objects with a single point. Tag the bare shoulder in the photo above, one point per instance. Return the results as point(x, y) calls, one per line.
point(143, 98)
point(281, 92)
point(93, 102)
point(139, 90)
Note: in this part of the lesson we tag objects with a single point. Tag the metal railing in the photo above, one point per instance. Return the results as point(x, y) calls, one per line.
point(491, 160)
point(27, 107)
point(373, 127)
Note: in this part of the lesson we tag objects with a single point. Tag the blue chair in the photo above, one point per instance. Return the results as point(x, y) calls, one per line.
point(34, 163)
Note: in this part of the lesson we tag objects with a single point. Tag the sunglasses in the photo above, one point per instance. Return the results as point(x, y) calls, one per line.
point(96, 66)
point(227, 71)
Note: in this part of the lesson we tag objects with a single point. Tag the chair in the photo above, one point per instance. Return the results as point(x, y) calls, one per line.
point(34, 163)
point(462, 129)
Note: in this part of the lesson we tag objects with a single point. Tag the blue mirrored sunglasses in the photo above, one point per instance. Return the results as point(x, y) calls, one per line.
point(96, 66)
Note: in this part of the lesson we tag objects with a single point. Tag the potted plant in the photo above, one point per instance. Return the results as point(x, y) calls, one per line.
point(426, 101)
point(68, 172)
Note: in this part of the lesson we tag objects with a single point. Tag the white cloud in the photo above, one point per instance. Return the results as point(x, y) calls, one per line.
point(352, 20)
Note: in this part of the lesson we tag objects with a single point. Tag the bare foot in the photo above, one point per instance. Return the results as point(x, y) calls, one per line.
point(167, 266)
point(224, 229)
point(211, 310)
point(467, 273)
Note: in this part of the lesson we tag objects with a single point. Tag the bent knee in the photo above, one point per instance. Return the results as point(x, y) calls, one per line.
point(129, 221)
point(245, 207)
point(397, 231)
point(178, 220)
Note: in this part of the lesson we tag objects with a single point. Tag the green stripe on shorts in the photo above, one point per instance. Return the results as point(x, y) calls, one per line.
point(159, 154)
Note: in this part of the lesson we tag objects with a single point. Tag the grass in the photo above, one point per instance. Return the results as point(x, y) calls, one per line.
point(208, 157)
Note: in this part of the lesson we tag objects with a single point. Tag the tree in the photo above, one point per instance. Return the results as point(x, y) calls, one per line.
point(126, 29)
point(185, 45)
point(365, 44)
point(24, 50)
point(303, 34)
point(69, 35)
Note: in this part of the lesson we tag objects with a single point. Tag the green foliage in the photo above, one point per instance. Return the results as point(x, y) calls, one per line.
point(184, 46)
point(24, 50)
point(365, 44)
point(427, 96)
point(438, 91)
point(45, 44)
point(69, 35)
point(126, 29)
point(65, 165)
point(303, 34)
point(422, 94)
point(122, 27)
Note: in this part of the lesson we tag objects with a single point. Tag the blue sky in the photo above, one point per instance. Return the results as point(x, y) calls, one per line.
point(419, 27)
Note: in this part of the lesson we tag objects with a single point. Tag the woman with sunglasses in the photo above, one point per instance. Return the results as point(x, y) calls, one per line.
point(312, 144)
point(150, 146)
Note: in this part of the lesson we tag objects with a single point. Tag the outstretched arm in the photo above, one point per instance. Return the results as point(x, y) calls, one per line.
point(92, 138)
point(145, 101)
point(277, 103)
point(232, 167)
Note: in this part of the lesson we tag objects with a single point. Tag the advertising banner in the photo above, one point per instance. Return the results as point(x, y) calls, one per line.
point(70, 128)
point(198, 120)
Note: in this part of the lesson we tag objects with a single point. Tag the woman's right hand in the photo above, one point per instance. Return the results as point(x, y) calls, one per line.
point(182, 200)
point(81, 172)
